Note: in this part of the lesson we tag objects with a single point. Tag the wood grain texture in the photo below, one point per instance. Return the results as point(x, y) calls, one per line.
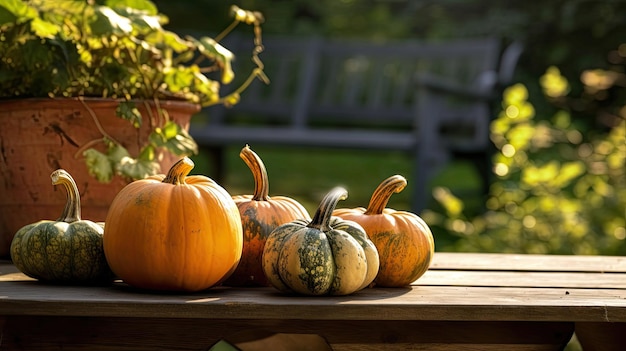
point(583, 280)
point(527, 262)
point(415, 303)
point(474, 307)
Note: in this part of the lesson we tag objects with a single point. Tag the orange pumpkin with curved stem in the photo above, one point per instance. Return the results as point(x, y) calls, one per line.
point(260, 214)
point(173, 232)
point(404, 241)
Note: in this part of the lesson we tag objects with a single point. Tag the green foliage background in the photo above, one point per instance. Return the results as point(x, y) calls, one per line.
point(559, 184)
point(558, 191)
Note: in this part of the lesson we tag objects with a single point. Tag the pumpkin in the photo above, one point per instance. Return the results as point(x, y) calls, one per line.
point(173, 232)
point(324, 256)
point(404, 241)
point(68, 250)
point(260, 214)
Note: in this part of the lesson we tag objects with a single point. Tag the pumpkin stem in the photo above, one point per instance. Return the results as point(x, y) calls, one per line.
point(383, 192)
point(179, 171)
point(261, 181)
point(71, 212)
point(321, 219)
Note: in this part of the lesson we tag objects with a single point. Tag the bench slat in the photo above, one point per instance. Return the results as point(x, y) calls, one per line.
point(365, 95)
point(362, 139)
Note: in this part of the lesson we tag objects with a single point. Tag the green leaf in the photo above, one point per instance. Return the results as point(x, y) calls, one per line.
point(109, 22)
point(127, 166)
point(143, 5)
point(141, 20)
point(98, 165)
point(116, 153)
point(223, 345)
point(16, 11)
point(175, 139)
point(177, 79)
point(148, 153)
point(568, 172)
point(536, 175)
point(222, 56)
point(183, 145)
point(170, 130)
point(210, 89)
point(44, 29)
point(136, 168)
point(452, 204)
point(128, 111)
point(169, 39)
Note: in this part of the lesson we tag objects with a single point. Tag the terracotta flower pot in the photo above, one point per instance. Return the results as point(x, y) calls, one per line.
point(39, 136)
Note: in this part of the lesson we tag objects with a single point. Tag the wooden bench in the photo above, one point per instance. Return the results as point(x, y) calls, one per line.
point(431, 100)
point(465, 301)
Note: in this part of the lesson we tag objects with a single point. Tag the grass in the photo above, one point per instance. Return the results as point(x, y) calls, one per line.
point(306, 174)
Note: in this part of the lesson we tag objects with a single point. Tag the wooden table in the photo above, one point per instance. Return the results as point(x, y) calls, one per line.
point(464, 302)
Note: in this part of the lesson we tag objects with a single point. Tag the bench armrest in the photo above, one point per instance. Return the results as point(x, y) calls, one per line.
point(442, 85)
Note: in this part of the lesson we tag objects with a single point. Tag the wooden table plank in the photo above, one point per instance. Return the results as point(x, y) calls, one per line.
point(527, 262)
point(418, 302)
point(488, 293)
point(523, 279)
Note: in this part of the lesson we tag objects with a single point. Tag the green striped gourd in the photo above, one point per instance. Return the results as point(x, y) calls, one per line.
point(324, 256)
point(68, 250)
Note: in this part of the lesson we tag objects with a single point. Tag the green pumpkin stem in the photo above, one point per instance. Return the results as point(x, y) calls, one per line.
point(71, 212)
point(179, 171)
point(383, 192)
point(261, 181)
point(323, 215)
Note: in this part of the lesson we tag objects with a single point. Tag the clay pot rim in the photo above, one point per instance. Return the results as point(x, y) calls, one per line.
point(27, 102)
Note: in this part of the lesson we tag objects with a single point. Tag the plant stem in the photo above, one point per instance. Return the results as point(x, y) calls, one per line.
point(71, 212)
point(95, 120)
point(179, 171)
point(321, 218)
point(261, 182)
point(383, 192)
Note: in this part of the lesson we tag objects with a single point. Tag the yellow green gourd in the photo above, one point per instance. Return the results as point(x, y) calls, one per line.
point(324, 256)
point(66, 250)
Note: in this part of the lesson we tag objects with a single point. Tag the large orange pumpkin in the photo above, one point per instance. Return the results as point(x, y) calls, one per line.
point(260, 214)
point(174, 232)
point(404, 241)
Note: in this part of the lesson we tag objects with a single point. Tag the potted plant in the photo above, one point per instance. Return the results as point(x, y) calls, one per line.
point(108, 93)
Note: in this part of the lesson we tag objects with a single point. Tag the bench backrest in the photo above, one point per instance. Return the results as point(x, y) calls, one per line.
point(316, 81)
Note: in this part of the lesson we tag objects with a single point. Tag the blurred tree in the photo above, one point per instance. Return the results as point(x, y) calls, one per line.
point(558, 191)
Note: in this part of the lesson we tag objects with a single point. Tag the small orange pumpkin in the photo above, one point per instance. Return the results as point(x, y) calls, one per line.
point(174, 232)
point(260, 214)
point(404, 241)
